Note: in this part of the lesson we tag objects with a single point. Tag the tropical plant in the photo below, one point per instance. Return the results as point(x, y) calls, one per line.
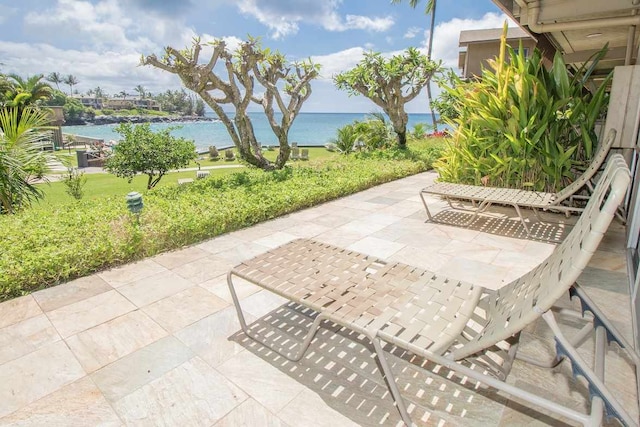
point(286, 86)
point(147, 152)
point(23, 133)
point(522, 125)
point(346, 138)
point(23, 92)
point(75, 181)
point(375, 132)
point(55, 78)
point(390, 83)
point(99, 93)
point(446, 104)
point(71, 81)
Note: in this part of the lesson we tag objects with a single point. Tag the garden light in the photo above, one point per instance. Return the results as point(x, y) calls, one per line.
point(134, 202)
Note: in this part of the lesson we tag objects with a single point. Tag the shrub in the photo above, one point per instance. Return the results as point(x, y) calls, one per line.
point(75, 181)
point(42, 248)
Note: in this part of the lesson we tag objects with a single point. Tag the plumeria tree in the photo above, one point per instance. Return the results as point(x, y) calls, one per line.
point(390, 83)
point(229, 78)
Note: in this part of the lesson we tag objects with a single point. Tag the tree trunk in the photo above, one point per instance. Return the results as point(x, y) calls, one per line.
point(402, 139)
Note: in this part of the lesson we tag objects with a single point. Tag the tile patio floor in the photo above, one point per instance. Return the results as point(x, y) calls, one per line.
point(157, 342)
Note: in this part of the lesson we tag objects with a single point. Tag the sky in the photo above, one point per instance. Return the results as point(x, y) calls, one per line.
point(101, 41)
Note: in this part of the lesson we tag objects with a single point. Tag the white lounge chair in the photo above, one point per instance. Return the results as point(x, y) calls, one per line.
point(484, 197)
point(469, 329)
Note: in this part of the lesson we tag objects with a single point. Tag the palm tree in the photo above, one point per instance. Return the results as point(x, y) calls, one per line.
point(55, 78)
point(21, 156)
point(30, 91)
point(99, 93)
point(141, 91)
point(70, 80)
point(430, 8)
point(123, 94)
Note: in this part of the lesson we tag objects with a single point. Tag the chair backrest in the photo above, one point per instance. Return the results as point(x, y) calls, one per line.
point(510, 309)
point(304, 154)
point(295, 153)
point(596, 162)
point(229, 154)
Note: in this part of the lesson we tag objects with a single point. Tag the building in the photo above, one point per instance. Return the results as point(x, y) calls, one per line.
point(478, 46)
point(118, 103)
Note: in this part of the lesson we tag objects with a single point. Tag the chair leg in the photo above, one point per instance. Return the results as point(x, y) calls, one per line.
point(524, 224)
point(243, 324)
point(424, 202)
point(391, 382)
point(602, 401)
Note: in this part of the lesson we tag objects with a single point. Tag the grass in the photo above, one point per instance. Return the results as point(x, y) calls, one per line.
point(101, 185)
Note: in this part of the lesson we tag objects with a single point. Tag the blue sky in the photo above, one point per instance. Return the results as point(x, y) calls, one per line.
point(101, 41)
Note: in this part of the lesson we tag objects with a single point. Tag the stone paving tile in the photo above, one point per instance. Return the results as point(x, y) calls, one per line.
point(362, 229)
point(78, 404)
point(220, 288)
point(307, 230)
point(31, 377)
point(177, 258)
point(209, 337)
point(204, 269)
point(276, 239)
point(262, 381)
point(470, 251)
point(17, 310)
point(108, 342)
point(135, 370)
point(472, 271)
point(242, 252)
point(308, 409)
point(262, 303)
point(71, 292)
point(330, 220)
point(184, 308)
point(191, 394)
point(85, 314)
point(220, 243)
point(251, 413)
point(339, 237)
point(376, 247)
point(151, 289)
point(24, 337)
point(128, 273)
point(428, 260)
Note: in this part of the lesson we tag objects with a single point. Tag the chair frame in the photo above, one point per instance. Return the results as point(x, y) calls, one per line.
point(455, 324)
point(485, 197)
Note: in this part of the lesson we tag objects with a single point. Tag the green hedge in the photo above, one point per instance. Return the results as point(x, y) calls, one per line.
point(41, 248)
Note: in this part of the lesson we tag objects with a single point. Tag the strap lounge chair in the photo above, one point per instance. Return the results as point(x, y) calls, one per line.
point(464, 327)
point(484, 197)
point(304, 154)
point(229, 155)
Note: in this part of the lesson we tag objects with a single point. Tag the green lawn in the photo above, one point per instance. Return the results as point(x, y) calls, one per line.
point(315, 153)
point(100, 185)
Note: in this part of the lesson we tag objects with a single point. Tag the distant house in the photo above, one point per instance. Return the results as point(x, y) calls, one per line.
point(134, 102)
point(478, 46)
point(89, 101)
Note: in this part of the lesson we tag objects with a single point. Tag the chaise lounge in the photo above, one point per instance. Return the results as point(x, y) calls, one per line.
point(484, 197)
point(469, 329)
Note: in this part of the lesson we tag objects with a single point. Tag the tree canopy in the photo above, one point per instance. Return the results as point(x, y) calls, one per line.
point(285, 87)
point(147, 152)
point(390, 83)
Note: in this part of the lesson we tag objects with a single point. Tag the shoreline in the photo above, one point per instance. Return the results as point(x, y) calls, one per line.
point(110, 120)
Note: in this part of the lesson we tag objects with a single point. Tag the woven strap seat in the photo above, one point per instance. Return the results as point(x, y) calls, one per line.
point(368, 295)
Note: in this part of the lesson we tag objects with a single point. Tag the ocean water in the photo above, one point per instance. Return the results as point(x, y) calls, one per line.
point(313, 129)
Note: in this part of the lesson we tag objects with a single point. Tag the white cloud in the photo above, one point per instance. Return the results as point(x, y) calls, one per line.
point(283, 17)
point(358, 22)
point(412, 32)
point(337, 62)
